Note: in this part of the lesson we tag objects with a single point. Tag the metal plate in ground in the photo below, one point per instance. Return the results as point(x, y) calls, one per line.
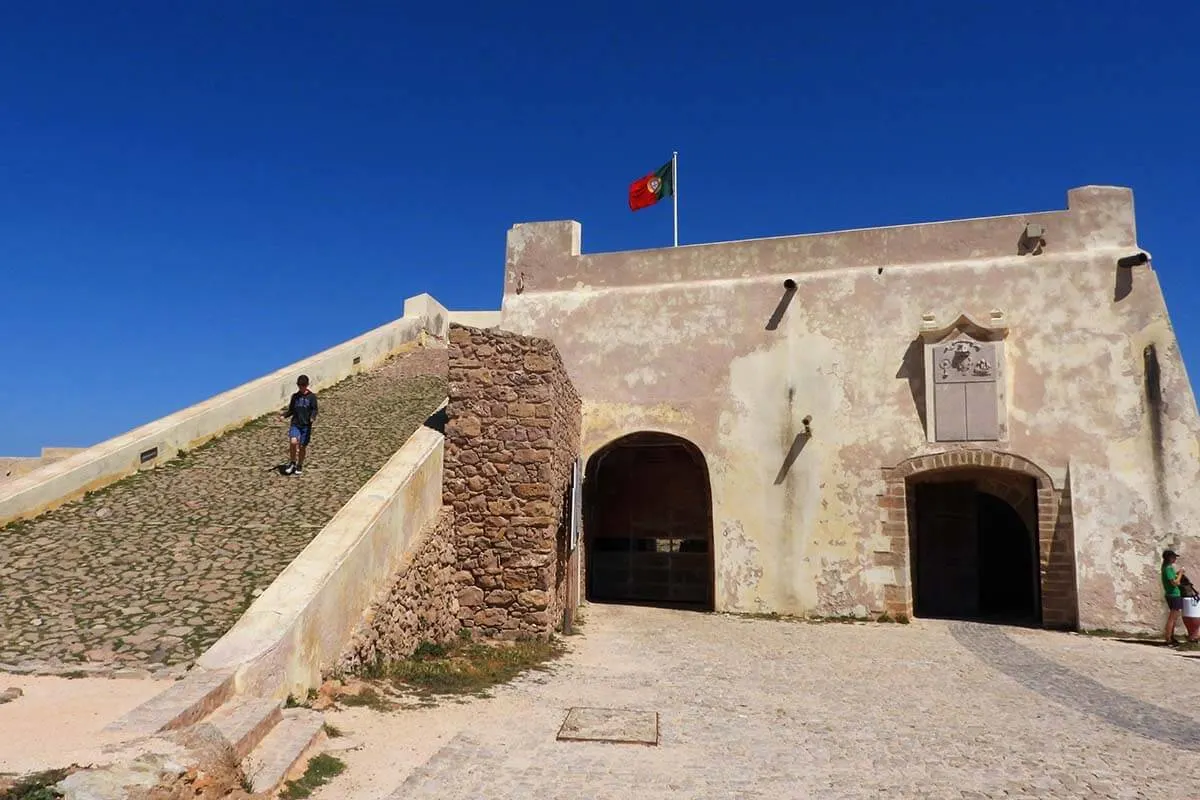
point(610, 725)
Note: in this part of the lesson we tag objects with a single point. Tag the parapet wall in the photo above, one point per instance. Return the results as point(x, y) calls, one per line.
point(14, 467)
point(547, 256)
point(157, 442)
point(300, 627)
point(512, 436)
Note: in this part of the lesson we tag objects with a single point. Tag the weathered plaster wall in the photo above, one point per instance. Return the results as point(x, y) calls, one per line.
point(704, 342)
point(512, 434)
point(15, 466)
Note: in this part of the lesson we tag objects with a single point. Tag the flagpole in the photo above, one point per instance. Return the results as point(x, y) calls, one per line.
point(675, 191)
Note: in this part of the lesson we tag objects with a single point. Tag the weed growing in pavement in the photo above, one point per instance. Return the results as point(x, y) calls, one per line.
point(466, 667)
point(368, 697)
point(321, 770)
point(37, 786)
point(459, 667)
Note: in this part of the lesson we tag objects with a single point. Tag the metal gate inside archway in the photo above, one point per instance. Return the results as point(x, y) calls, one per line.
point(648, 523)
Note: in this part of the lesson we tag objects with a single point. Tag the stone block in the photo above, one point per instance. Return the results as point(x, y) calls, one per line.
point(538, 363)
point(471, 596)
point(531, 456)
point(501, 597)
point(464, 426)
point(491, 617)
point(539, 508)
point(534, 598)
point(532, 491)
point(500, 507)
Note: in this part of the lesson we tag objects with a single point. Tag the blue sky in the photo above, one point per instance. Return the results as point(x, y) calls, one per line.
point(194, 194)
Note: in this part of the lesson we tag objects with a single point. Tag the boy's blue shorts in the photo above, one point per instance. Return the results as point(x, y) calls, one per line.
point(300, 434)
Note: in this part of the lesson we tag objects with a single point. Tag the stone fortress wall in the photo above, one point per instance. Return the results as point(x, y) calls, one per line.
point(512, 437)
point(421, 605)
point(497, 561)
point(731, 346)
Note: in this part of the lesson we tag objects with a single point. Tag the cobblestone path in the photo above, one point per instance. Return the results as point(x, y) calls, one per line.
point(775, 709)
point(1059, 683)
point(150, 571)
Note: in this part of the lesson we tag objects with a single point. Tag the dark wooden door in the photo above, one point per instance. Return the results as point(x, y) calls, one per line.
point(946, 550)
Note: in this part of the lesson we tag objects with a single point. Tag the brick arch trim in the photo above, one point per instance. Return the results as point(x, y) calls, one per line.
point(592, 448)
point(1054, 528)
point(956, 459)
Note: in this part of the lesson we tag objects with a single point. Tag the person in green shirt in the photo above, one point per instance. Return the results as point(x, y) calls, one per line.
point(1170, 581)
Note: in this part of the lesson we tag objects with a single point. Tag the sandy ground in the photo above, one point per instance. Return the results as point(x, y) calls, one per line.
point(387, 747)
point(59, 721)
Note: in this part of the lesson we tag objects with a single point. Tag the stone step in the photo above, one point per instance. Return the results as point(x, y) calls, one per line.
point(285, 750)
point(244, 721)
point(184, 703)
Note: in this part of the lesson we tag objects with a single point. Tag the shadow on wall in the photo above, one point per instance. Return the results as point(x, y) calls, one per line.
point(1123, 284)
point(912, 369)
point(437, 420)
point(793, 453)
point(1060, 609)
point(789, 291)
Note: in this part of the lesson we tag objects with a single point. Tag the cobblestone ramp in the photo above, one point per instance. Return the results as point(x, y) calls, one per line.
point(152, 570)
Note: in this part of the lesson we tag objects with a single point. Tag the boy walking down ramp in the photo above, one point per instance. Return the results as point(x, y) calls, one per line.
point(302, 410)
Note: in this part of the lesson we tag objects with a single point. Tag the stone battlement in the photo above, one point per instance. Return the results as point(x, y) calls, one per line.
point(547, 256)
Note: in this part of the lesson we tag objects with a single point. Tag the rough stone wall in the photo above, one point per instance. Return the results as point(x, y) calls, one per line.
point(420, 606)
point(512, 434)
point(706, 343)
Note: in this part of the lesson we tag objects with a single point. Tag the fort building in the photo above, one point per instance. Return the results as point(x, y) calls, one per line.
point(986, 418)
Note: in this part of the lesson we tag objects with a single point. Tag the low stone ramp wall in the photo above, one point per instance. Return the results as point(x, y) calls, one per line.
point(149, 572)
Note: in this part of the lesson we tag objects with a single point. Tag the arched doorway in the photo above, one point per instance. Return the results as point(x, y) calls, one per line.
point(974, 550)
point(648, 523)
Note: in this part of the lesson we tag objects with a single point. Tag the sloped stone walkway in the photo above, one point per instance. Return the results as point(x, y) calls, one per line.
point(152, 570)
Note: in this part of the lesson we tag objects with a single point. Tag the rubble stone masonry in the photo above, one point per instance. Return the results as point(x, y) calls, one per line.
point(512, 436)
point(421, 606)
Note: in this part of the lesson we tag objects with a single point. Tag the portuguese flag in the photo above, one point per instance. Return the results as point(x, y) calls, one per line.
point(649, 189)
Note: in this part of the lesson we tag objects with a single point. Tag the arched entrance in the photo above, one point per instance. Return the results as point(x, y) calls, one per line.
point(648, 523)
point(974, 546)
